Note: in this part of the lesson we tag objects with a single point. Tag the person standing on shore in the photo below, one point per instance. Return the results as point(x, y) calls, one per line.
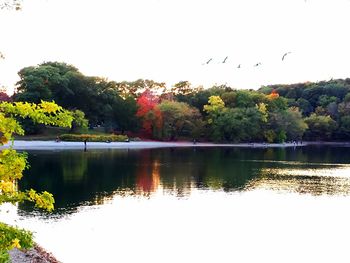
point(85, 145)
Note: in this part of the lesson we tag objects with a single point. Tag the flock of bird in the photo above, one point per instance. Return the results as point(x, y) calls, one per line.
point(239, 65)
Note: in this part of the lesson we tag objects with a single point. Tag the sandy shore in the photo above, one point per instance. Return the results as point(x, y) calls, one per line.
point(52, 145)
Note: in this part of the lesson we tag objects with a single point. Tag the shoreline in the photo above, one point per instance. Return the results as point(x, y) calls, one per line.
point(36, 254)
point(63, 145)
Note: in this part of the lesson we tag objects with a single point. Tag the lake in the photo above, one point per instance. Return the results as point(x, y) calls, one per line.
point(191, 204)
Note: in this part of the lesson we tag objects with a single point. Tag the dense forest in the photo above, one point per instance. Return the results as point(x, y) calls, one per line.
point(148, 109)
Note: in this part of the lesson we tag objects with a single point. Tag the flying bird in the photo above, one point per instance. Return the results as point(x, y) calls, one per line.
point(239, 66)
point(257, 64)
point(208, 61)
point(2, 56)
point(225, 60)
point(285, 54)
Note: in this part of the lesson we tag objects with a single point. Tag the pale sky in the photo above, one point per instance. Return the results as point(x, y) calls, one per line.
point(170, 40)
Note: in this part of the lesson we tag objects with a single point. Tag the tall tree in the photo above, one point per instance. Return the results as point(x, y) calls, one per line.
point(98, 98)
point(47, 81)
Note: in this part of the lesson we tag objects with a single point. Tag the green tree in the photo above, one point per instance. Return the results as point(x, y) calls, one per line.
point(79, 122)
point(234, 124)
point(295, 126)
point(98, 98)
point(182, 87)
point(276, 104)
point(229, 98)
point(237, 124)
point(345, 126)
point(34, 81)
point(305, 106)
point(198, 98)
point(347, 98)
point(344, 107)
point(135, 88)
point(285, 124)
point(320, 127)
point(179, 119)
point(325, 100)
point(248, 98)
point(13, 163)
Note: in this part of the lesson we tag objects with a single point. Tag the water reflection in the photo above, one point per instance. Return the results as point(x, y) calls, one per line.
point(147, 175)
point(95, 176)
point(323, 179)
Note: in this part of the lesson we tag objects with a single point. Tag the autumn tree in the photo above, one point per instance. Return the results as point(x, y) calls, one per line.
point(149, 114)
point(3, 95)
point(273, 95)
point(12, 165)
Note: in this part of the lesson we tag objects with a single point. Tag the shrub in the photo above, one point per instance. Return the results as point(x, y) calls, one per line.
point(94, 138)
point(13, 237)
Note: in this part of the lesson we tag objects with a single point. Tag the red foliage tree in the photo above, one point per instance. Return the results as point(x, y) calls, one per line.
point(4, 96)
point(148, 112)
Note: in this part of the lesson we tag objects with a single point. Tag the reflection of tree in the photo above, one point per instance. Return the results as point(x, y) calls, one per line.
point(179, 169)
point(155, 175)
point(76, 177)
point(94, 177)
point(147, 175)
point(304, 179)
point(229, 169)
point(74, 169)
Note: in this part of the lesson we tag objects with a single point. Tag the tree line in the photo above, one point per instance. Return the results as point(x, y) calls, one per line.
point(274, 113)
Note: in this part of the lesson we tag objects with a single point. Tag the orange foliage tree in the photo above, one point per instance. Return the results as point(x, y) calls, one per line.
point(273, 95)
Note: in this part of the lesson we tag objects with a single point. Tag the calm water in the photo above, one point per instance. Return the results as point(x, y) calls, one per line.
point(191, 205)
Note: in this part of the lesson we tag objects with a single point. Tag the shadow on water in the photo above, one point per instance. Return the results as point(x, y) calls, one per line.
point(77, 178)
